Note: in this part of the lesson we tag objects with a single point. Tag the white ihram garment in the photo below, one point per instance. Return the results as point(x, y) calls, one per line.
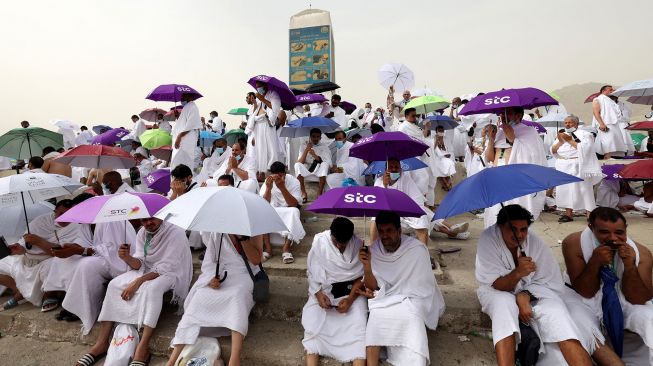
point(216, 312)
point(289, 215)
point(322, 169)
point(328, 332)
point(406, 184)
point(261, 129)
point(248, 164)
point(611, 141)
point(424, 178)
point(408, 301)
point(352, 168)
point(443, 166)
point(188, 121)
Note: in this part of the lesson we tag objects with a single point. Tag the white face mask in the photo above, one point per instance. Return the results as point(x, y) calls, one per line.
point(571, 130)
point(183, 102)
point(368, 110)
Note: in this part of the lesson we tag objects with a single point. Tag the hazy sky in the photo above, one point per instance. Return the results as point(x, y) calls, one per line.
point(94, 61)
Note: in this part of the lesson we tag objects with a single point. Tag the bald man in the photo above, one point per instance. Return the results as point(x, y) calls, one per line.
point(112, 184)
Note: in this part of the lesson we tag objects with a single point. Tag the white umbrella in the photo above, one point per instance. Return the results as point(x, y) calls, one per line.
point(65, 124)
point(646, 100)
point(424, 92)
point(638, 88)
point(226, 210)
point(397, 75)
point(12, 225)
point(30, 188)
point(553, 119)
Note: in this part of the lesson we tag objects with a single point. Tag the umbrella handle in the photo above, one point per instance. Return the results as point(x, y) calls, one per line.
point(22, 196)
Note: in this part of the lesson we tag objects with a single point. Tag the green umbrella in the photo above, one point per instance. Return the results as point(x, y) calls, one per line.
point(23, 143)
point(155, 138)
point(637, 139)
point(233, 135)
point(554, 95)
point(238, 111)
point(427, 104)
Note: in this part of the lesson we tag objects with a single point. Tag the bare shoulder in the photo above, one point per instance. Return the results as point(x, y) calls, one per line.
point(644, 253)
point(571, 242)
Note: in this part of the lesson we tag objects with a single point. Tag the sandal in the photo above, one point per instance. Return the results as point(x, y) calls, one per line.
point(266, 256)
point(565, 218)
point(287, 258)
point(304, 199)
point(459, 228)
point(461, 236)
point(89, 359)
point(12, 303)
point(141, 363)
point(50, 304)
point(450, 250)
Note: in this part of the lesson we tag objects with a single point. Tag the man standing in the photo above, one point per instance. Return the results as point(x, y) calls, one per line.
point(84, 137)
point(610, 275)
point(423, 177)
point(216, 123)
point(283, 191)
point(574, 152)
point(185, 133)
point(394, 109)
point(520, 281)
point(404, 297)
point(261, 129)
point(139, 128)
point(607, 115)
point(345, 167)
point(314, 161)
point(337, 114)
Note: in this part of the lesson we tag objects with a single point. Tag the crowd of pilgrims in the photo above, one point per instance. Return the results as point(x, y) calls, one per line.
point(366, 301)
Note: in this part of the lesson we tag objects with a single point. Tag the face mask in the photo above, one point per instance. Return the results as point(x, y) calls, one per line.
point(395, 176)
point(105, 190)
point(219, 150)
point(440, 134)
point(571, 130)
point(238, 157)
point(261, 90)
point(183, 102)
point(368, 110)
point(340, 144)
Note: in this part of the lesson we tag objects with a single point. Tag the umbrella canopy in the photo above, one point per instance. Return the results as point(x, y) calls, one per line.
point(445, 122)
point(363, 132)
point(13, 224)
point(225, 210)
point(641, 126)
point(23, 143)
point(171, 115)
point(151, 114)
point(378, 167)
point(34, 187)
point(553, 119)
point(101, 129)
point(537, 126)
point(348, 107)
point(305, 99)
point(155, 138)
point(172, 93)
point(285, 94)
point(611, 172)
point(639, 88)
point(97, 156)
point(238, 111)
point(385, 145)
point(207, 138)
point(646, 100)
point(65, 124)
point(590, 98)
point(109, 138)
point(365, 201)
point(303, 126)
point(491, 186)
point(115, 207)
point(163, 153)
point(322, 87)
point(397, 75)
point(498, 101)
point(158, 180)
point(427, 104)
point(424, 92)
point(639, 170)
point(233, 135)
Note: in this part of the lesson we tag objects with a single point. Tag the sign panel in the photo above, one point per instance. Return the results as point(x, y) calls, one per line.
point(310, 51)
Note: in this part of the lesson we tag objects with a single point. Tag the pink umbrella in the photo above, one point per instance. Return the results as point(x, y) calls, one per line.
point(115, 207)
point(163, 153)
point(97, 156)
point(151, 114)
point(591, 97)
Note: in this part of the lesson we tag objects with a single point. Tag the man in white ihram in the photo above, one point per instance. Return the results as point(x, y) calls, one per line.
point(345, 167)
point(607, 115)
point(404, 297)
point(261, 127)
point(574, 152)
point(185, 133)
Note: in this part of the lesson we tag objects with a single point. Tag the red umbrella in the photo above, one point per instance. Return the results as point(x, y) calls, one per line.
point(163, 153)
point(641, 126)
point(97, 156)
point(591, 98)
point(151, 114)
point(639, 170)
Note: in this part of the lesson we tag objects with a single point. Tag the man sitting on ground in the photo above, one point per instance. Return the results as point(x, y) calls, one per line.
point(241, 166)
point(346, 168)
point(111, 184)
point(404, 296)
point(283, 192)
point(314, 161)
point(520, 281)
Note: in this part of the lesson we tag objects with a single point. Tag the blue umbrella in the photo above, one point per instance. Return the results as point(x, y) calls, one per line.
point(496, 185)
point(613, 316)
point(446, 122)
point(207, 138)
point(101, 129)
point(378, 167)
point(303, 126)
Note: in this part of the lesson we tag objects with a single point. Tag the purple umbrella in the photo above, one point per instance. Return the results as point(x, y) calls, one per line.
point(110, 137)
point(285, 94)
point(348, 107)
point(309, 99)
point(535, 125)
point(498, 101)
point(172, 93)
point(365, 201)
point(115, 207)
point(385, 145)
point(158, 180)
point(611, 172)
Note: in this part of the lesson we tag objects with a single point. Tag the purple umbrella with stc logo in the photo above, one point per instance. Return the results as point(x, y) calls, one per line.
point(611, 172)
point(348, 107)
point(172, 93)
point(115, 207)
point(158, 180)
point(498, 101)
point(365, 201)
point(109, 138)
point(386, 145)
point(285, 94)
point(305, 99)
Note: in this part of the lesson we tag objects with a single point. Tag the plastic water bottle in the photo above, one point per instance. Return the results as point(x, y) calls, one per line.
point(482, 334)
